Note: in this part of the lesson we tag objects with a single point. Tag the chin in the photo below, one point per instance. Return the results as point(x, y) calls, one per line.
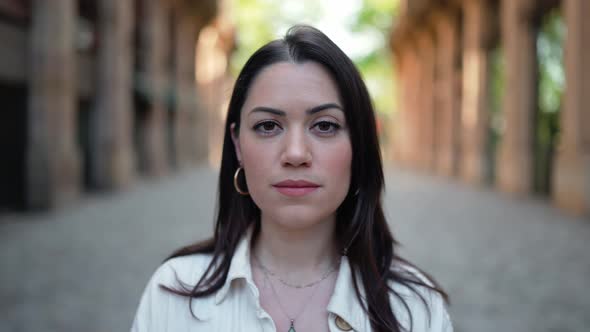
point(298, 217)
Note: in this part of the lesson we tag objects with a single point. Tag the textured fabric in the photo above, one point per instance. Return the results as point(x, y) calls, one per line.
point(236, 306)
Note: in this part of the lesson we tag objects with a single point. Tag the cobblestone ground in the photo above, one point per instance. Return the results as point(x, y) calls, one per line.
point(508, 264)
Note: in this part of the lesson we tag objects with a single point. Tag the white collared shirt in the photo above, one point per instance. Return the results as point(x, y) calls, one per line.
point(236, 305)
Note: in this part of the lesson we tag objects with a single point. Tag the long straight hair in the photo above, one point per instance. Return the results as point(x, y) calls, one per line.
point(361, 228)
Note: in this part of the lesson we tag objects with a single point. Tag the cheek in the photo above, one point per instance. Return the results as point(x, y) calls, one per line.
point(338, 163)
point(250, 152)
point(257, 160)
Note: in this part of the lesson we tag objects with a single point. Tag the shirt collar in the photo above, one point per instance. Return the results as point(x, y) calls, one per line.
point(343, 302)
point(239, 267)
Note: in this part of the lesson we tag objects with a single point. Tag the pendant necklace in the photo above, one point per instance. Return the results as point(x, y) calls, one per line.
point(292, 319)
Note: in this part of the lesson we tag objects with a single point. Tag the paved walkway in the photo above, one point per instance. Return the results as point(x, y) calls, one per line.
point(509, 265)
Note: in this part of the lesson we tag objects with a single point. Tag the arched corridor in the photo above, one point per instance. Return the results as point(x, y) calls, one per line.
point(99, 93)
point(482, 94)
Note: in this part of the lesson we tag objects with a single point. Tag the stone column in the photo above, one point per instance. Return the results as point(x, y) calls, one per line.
point(515, 172)
point(199, 134)
point(572, 178)
point(53, 166)
point(214, 45)
point(402, 140)
point(477, 31)
point(447, 107)
point(410, 111)
point(112, 164)
point(188, 152)
point(425, 96)
point(152, 72)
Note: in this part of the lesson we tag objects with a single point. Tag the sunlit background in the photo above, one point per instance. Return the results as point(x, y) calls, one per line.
point(112, 122)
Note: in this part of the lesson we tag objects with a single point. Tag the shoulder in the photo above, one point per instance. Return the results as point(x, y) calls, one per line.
point(157, 304)
point(187, 269)
point(418, 306)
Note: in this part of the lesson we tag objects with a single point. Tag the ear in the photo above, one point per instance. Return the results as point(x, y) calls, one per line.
point(236, 139)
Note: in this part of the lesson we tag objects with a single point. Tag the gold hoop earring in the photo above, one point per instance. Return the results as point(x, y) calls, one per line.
point(240, 191)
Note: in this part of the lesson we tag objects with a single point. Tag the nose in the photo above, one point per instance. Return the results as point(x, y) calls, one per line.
point(296, 150)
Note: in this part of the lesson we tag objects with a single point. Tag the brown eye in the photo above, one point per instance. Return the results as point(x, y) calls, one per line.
point(267, 128)
point(325, 128)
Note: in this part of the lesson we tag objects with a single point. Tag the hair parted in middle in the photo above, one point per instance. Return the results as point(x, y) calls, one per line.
point(361, 227)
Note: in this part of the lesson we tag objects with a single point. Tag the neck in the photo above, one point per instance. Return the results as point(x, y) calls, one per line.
point(302, 254)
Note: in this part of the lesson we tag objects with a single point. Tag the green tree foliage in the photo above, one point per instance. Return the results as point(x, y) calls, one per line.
point(550, 95)
point(375, 19)
point(551, 76)
point(259, 21)
point(496, 121)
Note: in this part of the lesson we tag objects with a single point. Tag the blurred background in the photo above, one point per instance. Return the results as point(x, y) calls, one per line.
point(112, 122)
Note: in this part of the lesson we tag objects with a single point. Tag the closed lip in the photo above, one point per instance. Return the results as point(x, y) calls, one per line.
point(296, 184)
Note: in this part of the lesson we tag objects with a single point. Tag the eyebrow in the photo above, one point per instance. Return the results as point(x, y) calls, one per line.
point(310, 111)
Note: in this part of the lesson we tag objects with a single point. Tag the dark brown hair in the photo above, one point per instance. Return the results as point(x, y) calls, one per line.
point(361, 227)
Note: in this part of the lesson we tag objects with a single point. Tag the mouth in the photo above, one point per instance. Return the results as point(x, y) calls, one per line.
point(296, 188)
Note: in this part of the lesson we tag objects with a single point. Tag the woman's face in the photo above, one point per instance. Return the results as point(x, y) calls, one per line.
point(294, 144)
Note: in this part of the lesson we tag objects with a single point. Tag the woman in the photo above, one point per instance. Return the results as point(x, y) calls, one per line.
point(301, 242)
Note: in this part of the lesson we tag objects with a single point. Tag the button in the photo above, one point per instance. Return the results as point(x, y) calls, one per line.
point(342, 324)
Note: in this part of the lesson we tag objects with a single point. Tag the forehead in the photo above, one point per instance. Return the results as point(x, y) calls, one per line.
point(289, 86)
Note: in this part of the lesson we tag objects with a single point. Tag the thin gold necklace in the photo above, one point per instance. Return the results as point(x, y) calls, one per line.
point(288, 284)
point(302, 309)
